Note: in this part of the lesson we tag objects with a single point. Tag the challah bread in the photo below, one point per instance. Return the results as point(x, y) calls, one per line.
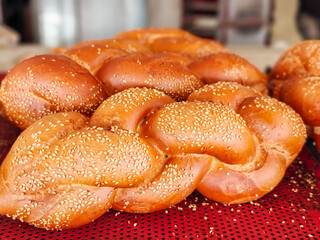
point(45, 84)
point(295, 80)
point(166, 59)
point(141, 152)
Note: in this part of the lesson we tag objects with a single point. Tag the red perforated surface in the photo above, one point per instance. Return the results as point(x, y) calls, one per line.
point(290, 211)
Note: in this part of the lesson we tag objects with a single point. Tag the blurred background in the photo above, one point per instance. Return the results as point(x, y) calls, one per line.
point(31, 27)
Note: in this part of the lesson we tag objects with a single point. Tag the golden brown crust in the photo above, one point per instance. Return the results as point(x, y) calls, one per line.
point(141, 151)
point(295, 80)
point(133, 100)
point(60, 169)
point(240, 187)
point(145, 70)
point(216, 93)
point(193, 47)
point(46, 84)
point(182, 172)
point(275, 124)
point(92, 57)
point(302, 94)
point(152, 152)
point(95, 53)
point(281, 134)
point(85, 74)
point(177, 57)
point(230, 68)
point(299, 60)
point(207, 126)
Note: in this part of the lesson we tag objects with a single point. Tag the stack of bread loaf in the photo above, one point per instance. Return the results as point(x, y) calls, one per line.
point(137, 123)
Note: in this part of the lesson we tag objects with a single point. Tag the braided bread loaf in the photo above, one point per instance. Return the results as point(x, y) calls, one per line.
point(141, 151)
point(79, 78)
point(295, 80)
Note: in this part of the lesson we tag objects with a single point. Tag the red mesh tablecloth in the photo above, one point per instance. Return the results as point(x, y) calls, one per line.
point(290, 211)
